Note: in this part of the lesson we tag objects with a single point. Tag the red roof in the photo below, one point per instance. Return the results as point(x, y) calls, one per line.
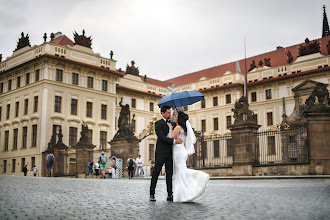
point(277, 58)
point(63, 41)
point(156, 82)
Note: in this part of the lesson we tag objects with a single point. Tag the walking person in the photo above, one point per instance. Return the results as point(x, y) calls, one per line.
point(90, 166)
point(139, 166)
point(50, 163)
point(113, 167)
point(130, 166)
point(35, 170)
point(24, 170)
point(163, 154)
point(97, 169)
point(103, 162)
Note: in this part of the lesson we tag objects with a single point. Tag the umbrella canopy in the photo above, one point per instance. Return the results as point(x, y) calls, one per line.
point(182, 98)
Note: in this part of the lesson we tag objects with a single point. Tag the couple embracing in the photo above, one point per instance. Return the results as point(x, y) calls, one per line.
point(175, 142)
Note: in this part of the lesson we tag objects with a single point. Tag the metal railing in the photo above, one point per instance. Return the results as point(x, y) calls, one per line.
point(282, 146)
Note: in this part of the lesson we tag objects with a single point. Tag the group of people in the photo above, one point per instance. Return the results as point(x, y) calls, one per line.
point(99, 169)
point(134, 164)
point(34, 169)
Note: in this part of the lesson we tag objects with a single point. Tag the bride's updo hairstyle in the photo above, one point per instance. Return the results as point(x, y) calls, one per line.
point(182, 118)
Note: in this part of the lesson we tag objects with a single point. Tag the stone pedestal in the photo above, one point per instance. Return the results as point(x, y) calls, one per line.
point(61, 155)
point(84, 154)
point(318, 122)
point(123, 148)
point(244, 148)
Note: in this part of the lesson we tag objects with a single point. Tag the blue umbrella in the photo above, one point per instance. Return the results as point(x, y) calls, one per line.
point(182, 98)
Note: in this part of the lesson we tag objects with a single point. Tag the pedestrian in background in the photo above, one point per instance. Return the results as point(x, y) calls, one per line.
point(130, 166)
point(90, 166)
point(103, 162)
point(35, 170)
point(113, 167)
point(139, 166)
point(50, 163)
point(24, 170)
point(97, 169)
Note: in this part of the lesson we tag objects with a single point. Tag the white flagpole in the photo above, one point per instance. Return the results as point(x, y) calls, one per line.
point(245, 77)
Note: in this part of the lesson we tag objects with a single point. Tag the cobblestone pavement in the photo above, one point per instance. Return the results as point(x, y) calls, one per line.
point(69, 198)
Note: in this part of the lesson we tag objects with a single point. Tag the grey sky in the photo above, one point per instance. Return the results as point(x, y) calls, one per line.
point(166, 38)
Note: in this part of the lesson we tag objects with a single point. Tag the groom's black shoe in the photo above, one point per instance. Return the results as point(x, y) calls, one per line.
point(152, 198)
point(170, 198)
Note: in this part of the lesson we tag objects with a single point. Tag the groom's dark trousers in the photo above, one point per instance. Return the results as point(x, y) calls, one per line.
point(163, 155)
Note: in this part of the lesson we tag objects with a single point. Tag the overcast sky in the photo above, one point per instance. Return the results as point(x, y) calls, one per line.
point(166, 38)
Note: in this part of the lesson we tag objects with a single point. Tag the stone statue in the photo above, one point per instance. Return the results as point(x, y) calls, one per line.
point(242, 113)
point(52, 142)
point(132, 69)
point(52, 36)
point(252, 65)
point(111, 54)
point(290, 57)
point(23, 41)
point(82, 40)
point(322, 94)
point(45, 37)
point(0, 57)
point(267, 62)
point(123, 119)
point(84, 139)
point(261, 63)
point(328, 47)
point(60, 137)
point(309, 48)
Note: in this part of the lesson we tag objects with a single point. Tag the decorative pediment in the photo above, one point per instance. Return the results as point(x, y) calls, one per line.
point(305, 85)
point(227, 73)
point(202, 78)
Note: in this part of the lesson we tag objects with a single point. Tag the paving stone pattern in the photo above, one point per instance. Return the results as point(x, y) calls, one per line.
point(70, 198)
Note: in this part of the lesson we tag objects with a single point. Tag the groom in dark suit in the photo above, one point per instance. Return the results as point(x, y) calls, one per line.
point(163, 154)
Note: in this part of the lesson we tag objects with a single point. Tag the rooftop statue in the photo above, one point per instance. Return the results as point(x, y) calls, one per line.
point(45, 37)
point(309, 48)
point(290, 57)
point(267, 62)
point(82, 40)
point(23, 41)
point(252, 65)
point(132, 69)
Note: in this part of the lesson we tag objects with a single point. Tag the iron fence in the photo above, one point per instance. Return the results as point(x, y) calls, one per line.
point(213, 152)
point(282, 146)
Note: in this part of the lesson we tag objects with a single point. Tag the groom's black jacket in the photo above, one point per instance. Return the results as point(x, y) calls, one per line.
point(164, 144)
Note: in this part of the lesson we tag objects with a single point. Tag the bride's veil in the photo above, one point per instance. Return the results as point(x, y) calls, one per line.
point(190, 139)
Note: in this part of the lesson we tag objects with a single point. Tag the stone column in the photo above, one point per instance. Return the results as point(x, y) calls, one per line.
point(245, 150)
point(60, 154)
point(84, 154)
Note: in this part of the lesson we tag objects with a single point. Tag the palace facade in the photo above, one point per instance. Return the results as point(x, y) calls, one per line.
point(60, 83)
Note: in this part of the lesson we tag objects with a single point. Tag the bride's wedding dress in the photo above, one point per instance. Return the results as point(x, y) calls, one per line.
point(188, 184)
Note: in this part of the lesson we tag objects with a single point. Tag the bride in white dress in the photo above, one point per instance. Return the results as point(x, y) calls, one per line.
point(188, 184)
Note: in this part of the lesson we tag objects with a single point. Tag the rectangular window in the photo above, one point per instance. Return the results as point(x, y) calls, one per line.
point(103, 111)
point(203, 124)
point(8, 112)
point(18, 82)
point(0, 113)
point(89, 82)
point(133, 103)
point(56, 131)
point(59, 75)
point(271, 144)
point(13, 168)
point(215, 101)
point(269, 118)
point(103, 140)
point(5, 166)
point(104, 85)
point(268, 94)
point(33, 162)
point(16, 109)
point(228, 120)
point(34, 135)
point(72, 136)
point(203, 103)
point(9, 85)
point(15, 139)
point(75, 78)
point(6, 140)
point(1, 88)
point(215, 124)
point(37, 75)
point(134, 124)
point(35, 106)
point(24, 138)
point(90, 135)
point(151, 151)
point(228, 98)
point(89, 109)
point(58, 102)
point(22, 163)
point(216, 148)
point(26, 106)
point(27, 79)
point(74, 104)
point(255, 118)
point(151, 106)
point(253, 96)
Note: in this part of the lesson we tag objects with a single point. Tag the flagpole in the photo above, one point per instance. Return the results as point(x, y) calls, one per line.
point(245, 77)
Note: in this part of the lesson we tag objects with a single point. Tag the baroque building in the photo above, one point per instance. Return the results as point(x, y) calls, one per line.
point(60, 83)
